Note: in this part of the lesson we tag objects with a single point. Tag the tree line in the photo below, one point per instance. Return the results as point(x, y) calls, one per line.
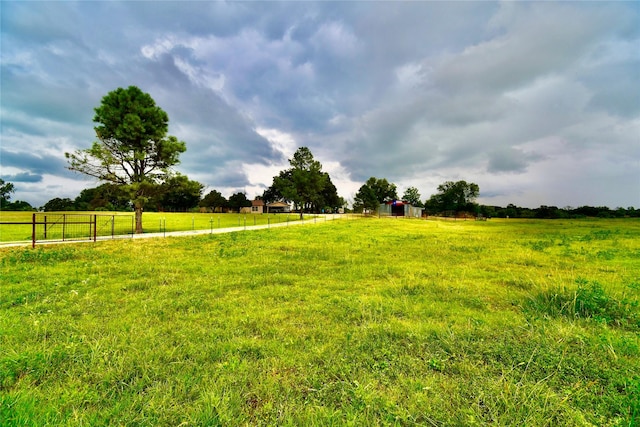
point(134, 157)
point(186, 195)
point(177, 194)
point(554, 212)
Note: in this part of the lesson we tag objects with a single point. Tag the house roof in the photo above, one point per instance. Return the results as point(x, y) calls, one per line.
point(278, 204)
point(257, 203)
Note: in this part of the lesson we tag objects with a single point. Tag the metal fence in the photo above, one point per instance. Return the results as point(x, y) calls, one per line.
point(67, 227)
point(58, 227)
point(80, 226)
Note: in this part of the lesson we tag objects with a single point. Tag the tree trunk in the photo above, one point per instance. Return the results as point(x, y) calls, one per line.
point(138, 210)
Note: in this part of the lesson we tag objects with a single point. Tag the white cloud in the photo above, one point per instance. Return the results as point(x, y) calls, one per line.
point(409, 75)
point(335, 38)
point(281, 141)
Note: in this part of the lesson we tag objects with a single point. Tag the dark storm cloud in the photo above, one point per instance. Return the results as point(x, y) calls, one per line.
point(510, 160)
point(23, 177)
point(615, 96)
point(41, 24)
point(36, 163)
point(55, 102)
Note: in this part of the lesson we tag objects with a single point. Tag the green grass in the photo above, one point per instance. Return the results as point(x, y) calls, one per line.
point(9, 233)
point(158, 221)
point(367, 322)
point(153, 222)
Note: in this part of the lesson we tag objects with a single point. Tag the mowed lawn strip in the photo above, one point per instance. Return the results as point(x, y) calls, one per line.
point(368, 322)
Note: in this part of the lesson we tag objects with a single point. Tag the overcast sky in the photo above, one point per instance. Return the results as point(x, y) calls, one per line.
point(537, 103)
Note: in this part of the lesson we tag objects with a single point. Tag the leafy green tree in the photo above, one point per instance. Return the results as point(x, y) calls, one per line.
point(88, 200)
point(179, 193)
point(365, 199)
point(454, 197)
point(237, 201)
point(20, 205)
point(273, 193)
point(383, 189)
point(59, 205)
point(103, 197)
point(550, 212)
point(512, 211)
point(412, 195)
point(303, 183)
point(133, 149)
point(6, 189)
point(329, 201)
point(214, 199)
point(116, 199)
point(374, 192)
point(488, 211)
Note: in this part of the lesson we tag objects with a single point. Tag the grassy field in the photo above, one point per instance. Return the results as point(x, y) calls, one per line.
point(365, 322)
point(153, 222)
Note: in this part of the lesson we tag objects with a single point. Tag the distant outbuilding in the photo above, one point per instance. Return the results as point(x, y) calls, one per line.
point(399, 208)
point(278, 207)
point(257, 207)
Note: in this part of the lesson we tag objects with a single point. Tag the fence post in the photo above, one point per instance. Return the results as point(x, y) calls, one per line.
point(95, 227)
point(113, 224)
point(45, 227)
point(33, 232)
point(64, 225)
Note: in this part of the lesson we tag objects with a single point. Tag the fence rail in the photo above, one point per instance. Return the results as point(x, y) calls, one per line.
point(67, 227)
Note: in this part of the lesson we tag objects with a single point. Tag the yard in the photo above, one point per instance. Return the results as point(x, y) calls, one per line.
point(367, 322)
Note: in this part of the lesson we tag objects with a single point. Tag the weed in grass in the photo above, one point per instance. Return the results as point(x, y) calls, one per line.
point(541, 245)
point(607, 255)
point(587, 301)
point(39, 255)
point(519, 284)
